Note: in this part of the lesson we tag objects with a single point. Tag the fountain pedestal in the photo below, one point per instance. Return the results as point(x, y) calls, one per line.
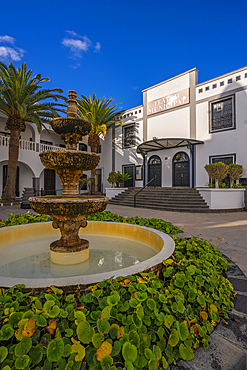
point(70, 210)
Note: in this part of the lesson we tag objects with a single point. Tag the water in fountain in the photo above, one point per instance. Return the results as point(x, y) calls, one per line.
point(70, 210)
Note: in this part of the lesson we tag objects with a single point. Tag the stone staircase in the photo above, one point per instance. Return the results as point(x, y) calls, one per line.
point(27, 193)
point(177, 199)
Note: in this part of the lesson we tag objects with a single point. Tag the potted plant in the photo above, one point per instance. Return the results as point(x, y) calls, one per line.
point(217, 172)
point(122, 177)
point(116, 178)
point(112, 178)
point(235, 171)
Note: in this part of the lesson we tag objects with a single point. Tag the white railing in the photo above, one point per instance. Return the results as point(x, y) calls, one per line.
point(44, 147)
point(27, 145)
point(4, 140)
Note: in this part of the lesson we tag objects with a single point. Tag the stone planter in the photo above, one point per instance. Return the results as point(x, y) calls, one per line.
point(112, 192)
point(223, 198)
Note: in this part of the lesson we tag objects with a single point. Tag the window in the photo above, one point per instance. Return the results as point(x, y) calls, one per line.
point(200, 91)
point(99, 149)
point(207, 88)
point(222, 115)
point(83, 147)
point(245, 75)
point(226, 159)
point(230, 81)
point(238, 78)
point(214, 86)
point(222, 83)
point(129, 136)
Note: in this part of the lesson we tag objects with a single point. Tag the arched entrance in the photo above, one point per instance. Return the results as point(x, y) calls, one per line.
point(154, 170)
point(181, 169)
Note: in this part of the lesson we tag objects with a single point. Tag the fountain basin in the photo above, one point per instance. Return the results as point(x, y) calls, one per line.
point(162, 245)
point(63, 125)
point(80, 205)
point(69, 159)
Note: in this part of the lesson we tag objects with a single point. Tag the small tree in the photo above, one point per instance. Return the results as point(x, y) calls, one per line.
point(112, 178)
point(217, 172)
point(235, 171)
point(122, 177)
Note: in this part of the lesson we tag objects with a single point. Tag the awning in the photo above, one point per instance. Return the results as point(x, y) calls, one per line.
point(165, 143)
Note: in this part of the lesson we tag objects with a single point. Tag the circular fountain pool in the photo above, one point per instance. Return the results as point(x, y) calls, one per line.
point(116, 249)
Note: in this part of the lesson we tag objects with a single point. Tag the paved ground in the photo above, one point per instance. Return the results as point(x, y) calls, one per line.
point(232, 227)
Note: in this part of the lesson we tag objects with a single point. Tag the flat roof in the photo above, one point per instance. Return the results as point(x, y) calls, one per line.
point(222, 76)
point(165, 143)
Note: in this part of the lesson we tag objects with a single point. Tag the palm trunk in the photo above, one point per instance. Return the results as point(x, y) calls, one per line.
point(93, 142)
point(8, 193)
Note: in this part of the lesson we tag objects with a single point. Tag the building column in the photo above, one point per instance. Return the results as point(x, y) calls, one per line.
point(36, 185)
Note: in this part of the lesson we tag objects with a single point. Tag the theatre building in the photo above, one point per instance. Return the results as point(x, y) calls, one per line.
point(181, 127)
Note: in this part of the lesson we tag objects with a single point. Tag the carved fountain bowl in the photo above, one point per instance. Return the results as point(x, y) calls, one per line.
point(69, 206)
point(69, 159)
point(63, 125)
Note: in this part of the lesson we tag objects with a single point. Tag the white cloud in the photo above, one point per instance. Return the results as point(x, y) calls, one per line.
point(78, 44)
point(7, 39)
point(11, 53)
point(97, 47)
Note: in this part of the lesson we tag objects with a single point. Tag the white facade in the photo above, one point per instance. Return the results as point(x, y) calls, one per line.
point(213, 114)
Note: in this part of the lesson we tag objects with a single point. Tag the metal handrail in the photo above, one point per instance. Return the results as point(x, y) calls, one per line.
point(154, 178)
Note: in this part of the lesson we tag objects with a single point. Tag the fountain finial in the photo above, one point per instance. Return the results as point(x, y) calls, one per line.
point(72, 109)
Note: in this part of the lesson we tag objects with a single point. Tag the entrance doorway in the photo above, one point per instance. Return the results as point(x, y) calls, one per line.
point(130, 171)
point(154, 170)
point(181, 169)
point(5, 174)
point(98, 180)
point(49, 182)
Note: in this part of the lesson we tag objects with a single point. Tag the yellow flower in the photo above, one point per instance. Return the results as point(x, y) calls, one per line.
point(185, 227)
point(213, 323)
point(222, 239)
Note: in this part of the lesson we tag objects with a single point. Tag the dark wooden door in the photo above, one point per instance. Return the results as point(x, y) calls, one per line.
point(130, 171)
point(98, 180)
point(154, 170)
point(49, 182)
point(181, 174)
point(5, 174)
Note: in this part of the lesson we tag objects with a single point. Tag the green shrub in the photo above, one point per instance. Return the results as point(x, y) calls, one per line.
point(154, 223)
point(235, 171)
point(137, 322)
point(216, 171)
point(24, 218)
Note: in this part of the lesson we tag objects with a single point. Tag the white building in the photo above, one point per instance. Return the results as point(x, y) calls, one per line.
point(181, 126)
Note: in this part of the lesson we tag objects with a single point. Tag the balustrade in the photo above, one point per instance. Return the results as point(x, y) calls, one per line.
point(27, 145)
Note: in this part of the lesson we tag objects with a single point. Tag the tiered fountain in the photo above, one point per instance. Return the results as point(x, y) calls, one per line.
point(70, 210)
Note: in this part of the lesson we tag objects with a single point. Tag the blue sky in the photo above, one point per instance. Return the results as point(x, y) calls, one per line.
point(120, 47)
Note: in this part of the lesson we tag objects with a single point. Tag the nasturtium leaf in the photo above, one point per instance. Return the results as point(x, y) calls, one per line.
point(6, 367)
point(85, 332)
point(134, 338)
point(141, 296)
point(151, 303)
point(98, 339)
point(122, 307)
point(168, 321)
point(78, 349)
point(201, 299)
point(22, 362)
point(185, 352)
point(103, 326)
point(51, 309)
point(80, 316)
point(128, 365)
point(67, 350)
point(182, 330)
point(139, 311)
point(48, 365)
point(153, 364)
point(116, 348)
point(103, 350)
point(113, 299)
point(40, 320)
point(61, 364)
point(168, 272)
point(95, 315)
point(148, 353)
point(15, 317)
point(7, 331)
point(52, 326)
point(23, 347)
point(162, 344)
point(191, 270)
point(140, 362)
point(173, 338)
point(180, 308)
point(161, 332)
point(127, 320)
point(68, 333)
point(204, 315)
point(114, 331)
point(105, 314)
point(164, 363)
point(179, 282)
point(29, 328)
point(106, 362)
point(28, 314)
point(55, 350)
point(129, 352)
point(174, 307)
point(3, 353)
point(36, 354)
point(191, 295)
point(38, 304)
point(120, 333)
point(213, 308)
point(157, 352)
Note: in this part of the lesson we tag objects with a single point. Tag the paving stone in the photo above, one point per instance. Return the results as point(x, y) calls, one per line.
point(235, 331)
point(234, 270)
point(240, 303)
point(221, 355)
point(240, 285)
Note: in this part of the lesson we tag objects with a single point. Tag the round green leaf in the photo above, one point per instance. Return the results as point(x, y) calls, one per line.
point(173, 338)
point(67, 350)
point(201, 299)
point(153, 364)
point(186, 353)
point(40, 320)
point(141, 296)
point(181, 307)
point(116, 348)
point(69, 333)
point(179, 283)
point(85, 332)
point(139, 311)
point(36, 354)
point(191, 270)
point(183, 331)
point(105, 314)
point(148, 353)
point(113, 299)
point(129, 352)
point(103, 326)
point(51, 309)
point(134, 338)
point(157, 352)
point(3, 353)
point(97, 340)
point(55, 350)
point(7, 332)
point(129, 365)
point(133, 302)
point(106, 362)
point(23, 347)
point(22, 362)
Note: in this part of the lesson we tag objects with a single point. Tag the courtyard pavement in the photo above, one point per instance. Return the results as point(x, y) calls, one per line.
point(231, 227)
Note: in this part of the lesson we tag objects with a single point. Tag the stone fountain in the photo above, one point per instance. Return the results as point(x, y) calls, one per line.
point(70, 210)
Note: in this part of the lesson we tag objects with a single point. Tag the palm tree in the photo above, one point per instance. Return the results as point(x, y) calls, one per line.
point(101, 114)
point(22, 100)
